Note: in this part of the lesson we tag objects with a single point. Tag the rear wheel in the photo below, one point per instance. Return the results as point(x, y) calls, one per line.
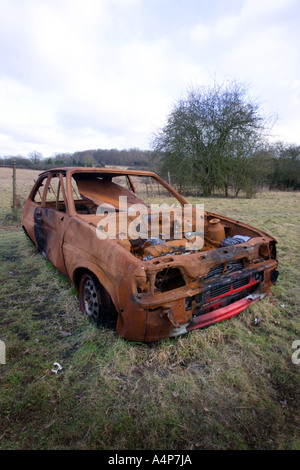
point(95, 302)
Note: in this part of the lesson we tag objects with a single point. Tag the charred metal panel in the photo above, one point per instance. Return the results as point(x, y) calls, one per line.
point(49, 231)
point(101, 192)
point(40, 231)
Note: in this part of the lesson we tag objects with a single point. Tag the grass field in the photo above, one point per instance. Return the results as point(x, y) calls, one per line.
point(230, 386)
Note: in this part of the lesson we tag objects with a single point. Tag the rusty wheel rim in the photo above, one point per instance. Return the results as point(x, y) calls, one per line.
point(91, 299)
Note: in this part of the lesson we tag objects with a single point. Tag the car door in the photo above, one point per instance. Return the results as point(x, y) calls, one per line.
point(50, 221)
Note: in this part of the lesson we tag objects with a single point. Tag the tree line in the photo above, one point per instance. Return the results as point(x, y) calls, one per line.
point(86, 158)
point(275, 166)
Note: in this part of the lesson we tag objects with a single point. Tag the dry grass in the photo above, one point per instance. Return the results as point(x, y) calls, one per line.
point(25, 180)
point(230, 386)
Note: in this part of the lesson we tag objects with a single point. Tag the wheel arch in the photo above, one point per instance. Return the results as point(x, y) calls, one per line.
point(80, 271)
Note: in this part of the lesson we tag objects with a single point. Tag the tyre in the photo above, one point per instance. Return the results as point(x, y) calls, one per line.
point(95, 302)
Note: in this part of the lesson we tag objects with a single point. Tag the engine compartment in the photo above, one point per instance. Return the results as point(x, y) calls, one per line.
point(216, 233)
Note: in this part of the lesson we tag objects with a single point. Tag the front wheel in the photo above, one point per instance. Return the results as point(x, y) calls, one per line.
point(95, 302)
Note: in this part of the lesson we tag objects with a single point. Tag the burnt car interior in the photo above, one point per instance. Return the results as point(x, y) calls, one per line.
point(92, 190)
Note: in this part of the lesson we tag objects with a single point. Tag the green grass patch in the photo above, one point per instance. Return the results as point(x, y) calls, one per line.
point(230, 386)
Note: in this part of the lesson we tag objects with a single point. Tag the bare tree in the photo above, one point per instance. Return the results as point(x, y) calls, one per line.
point(35, 157)
point(207, 133)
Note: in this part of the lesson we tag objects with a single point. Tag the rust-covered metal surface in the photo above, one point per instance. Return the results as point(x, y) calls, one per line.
point(153, 288)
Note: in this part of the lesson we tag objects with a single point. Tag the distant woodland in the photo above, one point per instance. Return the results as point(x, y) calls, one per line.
point(89, 158)
point(275, 167)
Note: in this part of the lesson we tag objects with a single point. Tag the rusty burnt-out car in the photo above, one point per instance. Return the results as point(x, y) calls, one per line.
point(148, 287)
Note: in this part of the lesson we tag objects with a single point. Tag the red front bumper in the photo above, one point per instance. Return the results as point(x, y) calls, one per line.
point(218, 315)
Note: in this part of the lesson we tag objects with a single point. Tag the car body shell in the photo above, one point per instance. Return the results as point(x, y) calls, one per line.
point(214, 284)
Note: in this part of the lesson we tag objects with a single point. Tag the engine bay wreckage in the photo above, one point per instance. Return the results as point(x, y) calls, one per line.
point(106, 231)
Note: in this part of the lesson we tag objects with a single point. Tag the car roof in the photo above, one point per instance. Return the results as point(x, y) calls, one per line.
point(112, 171)
point(116, 171)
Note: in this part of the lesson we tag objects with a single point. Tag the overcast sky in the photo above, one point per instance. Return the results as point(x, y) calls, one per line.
point(87, 74)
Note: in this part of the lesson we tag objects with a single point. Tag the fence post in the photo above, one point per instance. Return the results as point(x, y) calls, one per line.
point(14, 203)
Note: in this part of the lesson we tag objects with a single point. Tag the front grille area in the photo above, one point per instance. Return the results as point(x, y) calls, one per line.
point(231, 267)
point(221, 290)
point(240, 283)
point(215, 271)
